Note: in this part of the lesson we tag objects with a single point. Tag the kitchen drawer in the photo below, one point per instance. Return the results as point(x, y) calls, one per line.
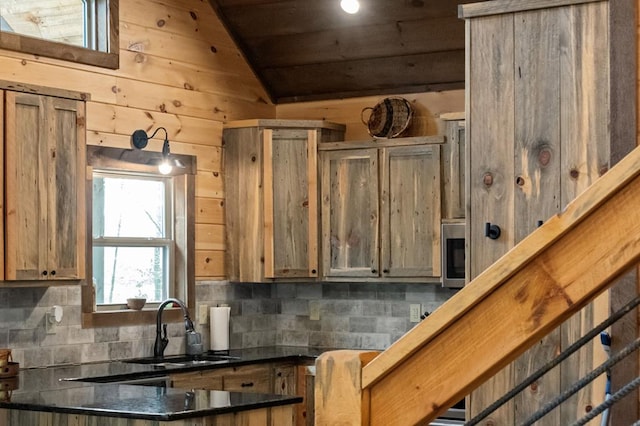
point(248, 378)
point(208, 380)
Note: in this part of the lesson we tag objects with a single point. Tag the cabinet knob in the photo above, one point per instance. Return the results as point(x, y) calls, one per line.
point(44, 273)
point(386, 271)
point(373, 271)
point(53, 273)
point(492, 231)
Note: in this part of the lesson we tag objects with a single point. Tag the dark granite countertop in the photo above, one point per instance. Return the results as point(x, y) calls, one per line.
point(67, 389)
point(118, 370)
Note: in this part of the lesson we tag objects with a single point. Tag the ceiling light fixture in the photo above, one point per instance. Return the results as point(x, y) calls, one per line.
point(350, 6)
point(140, 139)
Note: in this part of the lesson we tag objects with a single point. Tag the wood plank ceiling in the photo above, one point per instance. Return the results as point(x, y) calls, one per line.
point(306, 50)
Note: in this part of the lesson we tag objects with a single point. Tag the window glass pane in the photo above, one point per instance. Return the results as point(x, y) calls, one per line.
point(128, 207)
point(122, 272)
point(63, 21)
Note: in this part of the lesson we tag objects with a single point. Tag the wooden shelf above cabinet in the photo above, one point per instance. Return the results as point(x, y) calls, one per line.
point(382, 143)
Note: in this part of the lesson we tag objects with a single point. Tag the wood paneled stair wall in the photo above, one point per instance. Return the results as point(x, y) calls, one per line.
point(531, 290)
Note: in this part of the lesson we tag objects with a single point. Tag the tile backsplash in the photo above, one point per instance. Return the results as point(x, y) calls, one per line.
point(350, 315)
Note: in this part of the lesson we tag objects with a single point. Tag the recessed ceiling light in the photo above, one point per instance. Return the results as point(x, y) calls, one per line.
point(350, 6)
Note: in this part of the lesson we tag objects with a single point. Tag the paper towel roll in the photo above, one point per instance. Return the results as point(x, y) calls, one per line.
point(219, 327)
point(219, 399)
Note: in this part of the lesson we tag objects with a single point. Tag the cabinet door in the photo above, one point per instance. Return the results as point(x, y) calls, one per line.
point(66, 178)
point(350, 213)
point(453, 171)
point(243, 211)
point(44, 140)
point(2, 180)
point(26, 187)
point(410, 201)
point(290, 203)
point(284, 380)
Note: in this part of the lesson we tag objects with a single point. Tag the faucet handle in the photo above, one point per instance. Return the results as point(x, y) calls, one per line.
point(164, 331)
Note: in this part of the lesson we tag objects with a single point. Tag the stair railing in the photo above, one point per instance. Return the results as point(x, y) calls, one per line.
point(544, 280)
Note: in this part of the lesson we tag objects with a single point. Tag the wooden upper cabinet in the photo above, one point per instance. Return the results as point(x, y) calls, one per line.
point(381, 212)
point(410, 211)
point(350, 213)
point(45, 187)
point(271, 182)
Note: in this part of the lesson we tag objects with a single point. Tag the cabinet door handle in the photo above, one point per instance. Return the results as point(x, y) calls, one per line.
point(492, 231)
point(246, 385)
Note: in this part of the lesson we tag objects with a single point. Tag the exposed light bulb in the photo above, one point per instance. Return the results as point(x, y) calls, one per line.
point(164, 167)
point(350, 6)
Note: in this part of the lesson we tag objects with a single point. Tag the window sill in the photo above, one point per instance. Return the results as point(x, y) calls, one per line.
point(124, 317)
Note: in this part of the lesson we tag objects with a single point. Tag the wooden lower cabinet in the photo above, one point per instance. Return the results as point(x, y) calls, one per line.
point(273, 416)
point(272, 378)
point(256, 378)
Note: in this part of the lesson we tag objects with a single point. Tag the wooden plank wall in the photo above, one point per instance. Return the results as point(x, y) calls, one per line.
point(179, 69)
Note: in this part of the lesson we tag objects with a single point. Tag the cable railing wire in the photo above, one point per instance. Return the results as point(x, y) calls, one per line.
point(554, 362)
point(624, 391)
point(598, 371)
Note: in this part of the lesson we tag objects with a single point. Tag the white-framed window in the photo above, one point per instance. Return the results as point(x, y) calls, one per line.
point(84, 31)
point(133, 237)
point(140, 235)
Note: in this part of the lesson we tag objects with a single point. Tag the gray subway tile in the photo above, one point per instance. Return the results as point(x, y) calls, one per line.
point(335, 290)
point(110, 334)
point(362, 291)
point(362, 324)
point(311, 291)
point(66, 355)
point(285, 290)
point(120, 350)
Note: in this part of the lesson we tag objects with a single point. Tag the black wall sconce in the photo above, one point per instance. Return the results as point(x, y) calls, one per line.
point(140, 139)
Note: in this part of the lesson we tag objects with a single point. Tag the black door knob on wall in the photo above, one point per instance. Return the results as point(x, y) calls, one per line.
point(491, 230)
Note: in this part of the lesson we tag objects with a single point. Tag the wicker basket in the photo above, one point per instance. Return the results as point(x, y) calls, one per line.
point(389, 118)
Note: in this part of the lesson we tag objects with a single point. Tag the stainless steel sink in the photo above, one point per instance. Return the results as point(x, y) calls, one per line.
point(182, 360)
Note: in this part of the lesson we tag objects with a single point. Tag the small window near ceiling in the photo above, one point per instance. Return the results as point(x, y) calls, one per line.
point(77, 30)
point(133, 237)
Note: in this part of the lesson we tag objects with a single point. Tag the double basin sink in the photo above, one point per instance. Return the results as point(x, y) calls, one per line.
point(182, 360)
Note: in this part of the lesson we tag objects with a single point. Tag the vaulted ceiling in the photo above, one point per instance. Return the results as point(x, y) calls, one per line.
point(311, 50)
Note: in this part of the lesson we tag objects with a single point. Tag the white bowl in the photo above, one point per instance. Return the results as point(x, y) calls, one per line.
point(136, 303)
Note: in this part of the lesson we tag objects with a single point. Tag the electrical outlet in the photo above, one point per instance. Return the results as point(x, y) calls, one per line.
point(203, 314)
point(314, 311)
point(414, 312)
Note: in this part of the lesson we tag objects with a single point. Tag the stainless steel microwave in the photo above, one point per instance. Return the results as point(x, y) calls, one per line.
point(453, 254)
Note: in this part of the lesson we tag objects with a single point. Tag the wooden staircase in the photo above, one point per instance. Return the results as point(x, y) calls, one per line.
point(526, 294)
